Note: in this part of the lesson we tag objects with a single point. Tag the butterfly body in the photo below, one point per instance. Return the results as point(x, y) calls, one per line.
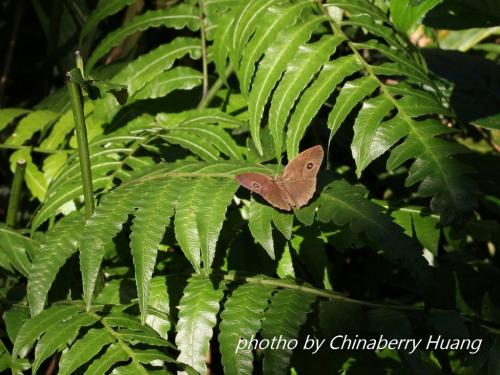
point(294, 188)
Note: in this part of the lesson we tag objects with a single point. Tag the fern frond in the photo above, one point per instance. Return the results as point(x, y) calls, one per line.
point(103, 10)
point(147, 231)
point(198, 310)
point(146, 67)
point(7, 115)
point(111, 157)
point(417, 224)
point(46, 321)
point(197, 222)
point(113, 354)
point(159, 312)
point(350, 95)
point(100, 230)
point(84, 350)
point(177, 17)
point(58, 245)
point(179, 78)
point(272, 22)
point(287, 313)
point(15, 250)
point(259, 222)
point(57, 339)
point(393, 113)
point(314, 96)
point(29, 125)
point(271, 68)
point(308, 61)
point(241, 319)
point(34, 178)
point(344, 204)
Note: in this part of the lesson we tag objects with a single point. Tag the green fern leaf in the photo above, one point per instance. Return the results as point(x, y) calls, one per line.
point(314, 97)
point(405, 15)
point(241, 319)
point(147, 67)
point(29, 125)
point(57, 339)
point(308, 61)
point(113, 354)
point(196, 144)
point(417, 224)
point(7, 115)
point(350, 95)
point(246, 17)
point(84, 350)
point(148, 229)
point(99, 231)
point(46, 321)
point(14, 250)
point(287, 313)
point(270, 69)
point(104, 9)
point(259, 223)
point(34, 178)
point(58, 245)
point(199, 117)
point(176, 17)
point(60, 130)
point(345, 204)
point(360, 7)
point(370, 24)
point(219, 48)
point(179, 78)
point(203, 140)
point(134, 337)
point(270, 24)
point(283, 222)
point(198, 221)
point(406, 65)
point(111, 157)
point(198, 310)
point(364, 150)
point(158, 316)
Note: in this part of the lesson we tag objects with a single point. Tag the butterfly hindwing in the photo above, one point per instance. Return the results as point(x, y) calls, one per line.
point(299, 176)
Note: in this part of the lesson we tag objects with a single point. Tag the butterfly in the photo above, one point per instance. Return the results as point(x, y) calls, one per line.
point(294, 187)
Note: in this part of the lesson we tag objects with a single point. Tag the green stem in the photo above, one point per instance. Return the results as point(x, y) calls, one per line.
point(205, 101)
point(203, 50)
point(317, 292)
point(83, 146)
point(15, 193)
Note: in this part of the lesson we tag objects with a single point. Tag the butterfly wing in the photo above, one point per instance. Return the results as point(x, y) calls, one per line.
point(299, 176)
point(266, 187)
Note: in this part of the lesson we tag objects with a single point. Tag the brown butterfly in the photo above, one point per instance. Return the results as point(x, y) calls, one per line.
point(294, 188)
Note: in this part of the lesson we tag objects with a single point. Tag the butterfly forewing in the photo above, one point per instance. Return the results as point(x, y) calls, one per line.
point(266, 187)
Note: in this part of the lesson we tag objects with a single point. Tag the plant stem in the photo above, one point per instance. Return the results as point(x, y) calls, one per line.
point(203, 50)
point(83, 146)
point(205, 101)
point(318, 292)
point(15, 193)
